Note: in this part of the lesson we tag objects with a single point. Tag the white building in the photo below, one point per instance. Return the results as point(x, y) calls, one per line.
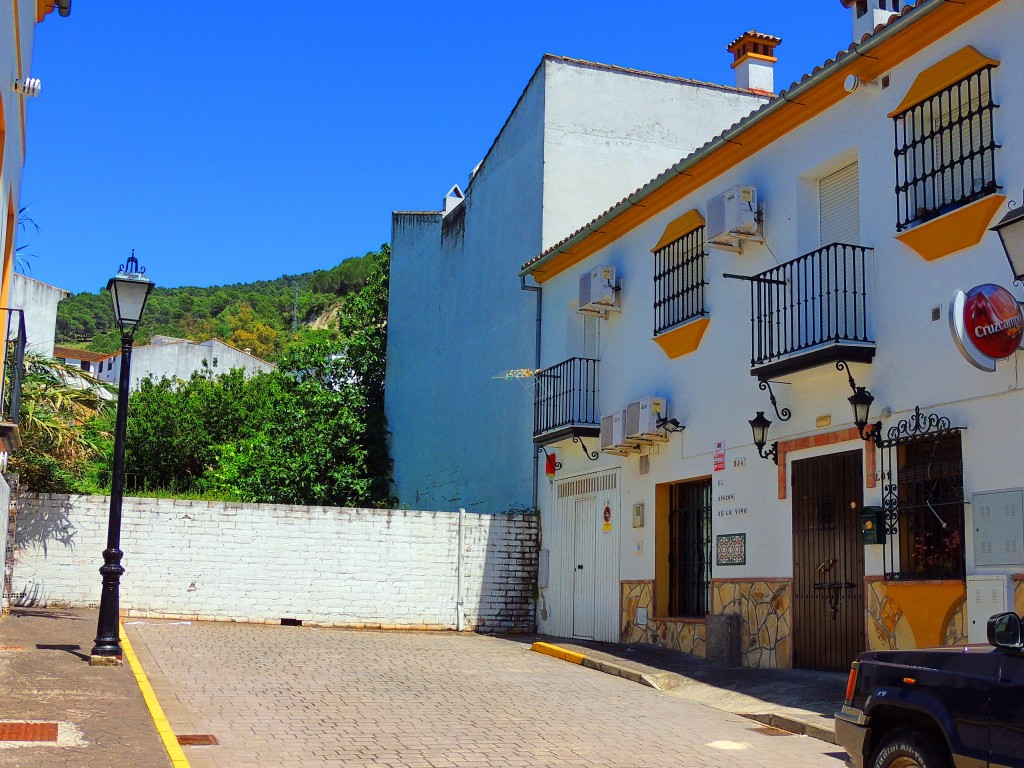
point(579, 135)
point(173, 358)
point(39, 303)
point(843, 217)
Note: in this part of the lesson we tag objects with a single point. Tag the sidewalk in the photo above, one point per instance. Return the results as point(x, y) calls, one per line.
point(45, 677)
point(796, 700)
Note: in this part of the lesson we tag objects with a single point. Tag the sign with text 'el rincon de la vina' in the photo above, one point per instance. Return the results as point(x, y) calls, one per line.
point(987, 324)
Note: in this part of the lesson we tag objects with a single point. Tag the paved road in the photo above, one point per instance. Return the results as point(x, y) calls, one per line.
point(290, 696)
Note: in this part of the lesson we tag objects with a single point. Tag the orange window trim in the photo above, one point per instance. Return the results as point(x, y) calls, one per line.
point(939, 76)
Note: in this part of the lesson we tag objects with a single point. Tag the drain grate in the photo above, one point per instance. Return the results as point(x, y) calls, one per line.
point(28, 731)
point(769, 730)
point(198, 740)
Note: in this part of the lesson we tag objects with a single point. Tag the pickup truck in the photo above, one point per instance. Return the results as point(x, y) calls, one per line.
point(957, 707)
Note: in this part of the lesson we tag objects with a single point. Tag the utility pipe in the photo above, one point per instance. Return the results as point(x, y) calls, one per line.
point(536, 364)
point(460, 607)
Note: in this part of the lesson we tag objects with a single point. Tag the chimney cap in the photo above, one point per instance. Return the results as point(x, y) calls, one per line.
point(753, 36)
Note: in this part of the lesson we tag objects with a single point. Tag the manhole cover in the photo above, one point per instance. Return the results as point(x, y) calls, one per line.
point(198, 740)
point(28, 731)
point(769, 730)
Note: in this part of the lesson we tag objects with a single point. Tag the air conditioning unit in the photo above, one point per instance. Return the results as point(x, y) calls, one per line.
point(642, 419)
point(731, 218)
point(598, 291)
point(613, 435)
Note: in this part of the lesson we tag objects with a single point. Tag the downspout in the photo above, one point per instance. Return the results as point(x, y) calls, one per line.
point(460, 604)
point(536, 364)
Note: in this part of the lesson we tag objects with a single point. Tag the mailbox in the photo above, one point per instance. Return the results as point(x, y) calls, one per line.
point(872, 524)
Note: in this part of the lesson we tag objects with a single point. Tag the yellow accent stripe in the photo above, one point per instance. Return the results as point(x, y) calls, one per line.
point(680, 227)
point(174, 751)
point(559, 653)
point(758, 56)
point(943, 74)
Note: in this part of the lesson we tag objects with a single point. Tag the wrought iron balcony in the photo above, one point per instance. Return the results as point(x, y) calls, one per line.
point(13, 372)
point(812, 310)
point(566, 401)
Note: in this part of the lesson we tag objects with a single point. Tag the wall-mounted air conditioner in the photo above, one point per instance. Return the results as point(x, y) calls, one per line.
point(613, 435)
point(733, 217)
point(642, 419)
point(599, 292)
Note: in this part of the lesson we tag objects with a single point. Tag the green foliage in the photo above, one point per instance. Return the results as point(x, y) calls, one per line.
point(257, 316)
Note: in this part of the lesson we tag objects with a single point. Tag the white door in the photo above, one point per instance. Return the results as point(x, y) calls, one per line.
point(585, 550)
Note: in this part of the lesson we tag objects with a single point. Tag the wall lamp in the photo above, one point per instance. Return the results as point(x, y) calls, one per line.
point(861, 401)
point(759, 425)
point(670, 425)
point(1010, 229)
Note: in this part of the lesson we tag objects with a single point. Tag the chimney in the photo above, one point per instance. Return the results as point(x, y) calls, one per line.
point(868, 14)
point(453, 197)
point(754, 55)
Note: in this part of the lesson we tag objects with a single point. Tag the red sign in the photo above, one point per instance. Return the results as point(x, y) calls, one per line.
point(987, 324)
point(551, 464)
point(607, 514)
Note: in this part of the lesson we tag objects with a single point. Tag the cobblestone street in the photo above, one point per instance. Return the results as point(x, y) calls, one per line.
point(287, 696)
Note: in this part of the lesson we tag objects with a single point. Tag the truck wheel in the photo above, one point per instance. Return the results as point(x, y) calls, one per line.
point(908, 748)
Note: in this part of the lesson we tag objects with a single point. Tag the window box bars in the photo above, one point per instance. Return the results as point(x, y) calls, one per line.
point(680, 281)
point(566, 400)
point(821, 301)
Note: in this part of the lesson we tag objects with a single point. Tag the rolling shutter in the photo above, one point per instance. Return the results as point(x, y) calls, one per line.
point(839, 198)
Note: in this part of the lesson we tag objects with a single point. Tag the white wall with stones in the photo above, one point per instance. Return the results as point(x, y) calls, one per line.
point(263, 562)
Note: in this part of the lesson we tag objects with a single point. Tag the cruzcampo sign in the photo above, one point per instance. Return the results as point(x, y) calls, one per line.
point(986, 324)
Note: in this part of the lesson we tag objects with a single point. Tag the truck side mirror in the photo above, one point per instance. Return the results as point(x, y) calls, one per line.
point(1004, 630)
point(872, 524)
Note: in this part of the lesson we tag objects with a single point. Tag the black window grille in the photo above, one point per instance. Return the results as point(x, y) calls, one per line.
point(689, 585)
point(930, 527)
point(679, 281)
point(945, 150)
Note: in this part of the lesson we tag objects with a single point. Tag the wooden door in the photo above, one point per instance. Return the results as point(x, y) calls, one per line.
point(828, 562)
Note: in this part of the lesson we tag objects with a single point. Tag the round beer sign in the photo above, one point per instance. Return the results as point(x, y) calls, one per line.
point(987, 324)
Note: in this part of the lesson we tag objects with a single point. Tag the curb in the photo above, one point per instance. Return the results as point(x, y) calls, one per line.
point(601, 666)
point(163, 727)
point(778, 720)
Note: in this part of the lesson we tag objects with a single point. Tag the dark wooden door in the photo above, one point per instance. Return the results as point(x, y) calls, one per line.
point(828, 562)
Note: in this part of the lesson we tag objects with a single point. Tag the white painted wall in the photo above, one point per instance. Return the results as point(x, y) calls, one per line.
point(711, 390)
point(180, 359)
point(265, 562)
point(457, 315)
point(39, 303)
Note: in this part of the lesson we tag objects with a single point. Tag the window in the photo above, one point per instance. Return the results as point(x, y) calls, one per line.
point(689, 556)
point(931, 507)
point(945, 149)
point(679, 281)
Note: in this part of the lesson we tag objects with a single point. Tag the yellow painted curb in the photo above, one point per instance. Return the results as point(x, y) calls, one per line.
point(559, 653)
point(178, 759)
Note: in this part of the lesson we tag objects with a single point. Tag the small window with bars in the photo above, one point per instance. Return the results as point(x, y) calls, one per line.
point(945, 150)
point(931, 508)
point(679, 281)
point(689, 558)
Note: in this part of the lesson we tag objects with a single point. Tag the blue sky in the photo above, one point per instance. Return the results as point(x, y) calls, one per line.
point(230, 142)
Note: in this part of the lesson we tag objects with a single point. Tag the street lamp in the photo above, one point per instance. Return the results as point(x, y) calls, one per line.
point(1010, 229)
point(759, 426)
point(129, 290)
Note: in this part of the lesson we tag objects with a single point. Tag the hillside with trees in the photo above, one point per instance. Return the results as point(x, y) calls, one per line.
point(259, 316)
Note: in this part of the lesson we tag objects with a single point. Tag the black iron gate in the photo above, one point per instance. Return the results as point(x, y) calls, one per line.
point(923, 499)
point(828, 562)
point(689, 555)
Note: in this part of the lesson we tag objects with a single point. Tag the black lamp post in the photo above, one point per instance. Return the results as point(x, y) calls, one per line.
point(129, 290)
point(759, 425)
point(1011, 232)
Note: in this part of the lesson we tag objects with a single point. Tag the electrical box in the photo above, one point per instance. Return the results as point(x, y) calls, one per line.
point(638, 515)
point(598, 291)
point(642, 419)
point(872, 525)
point(998, 518)
point(986, 596)
point(732, 217)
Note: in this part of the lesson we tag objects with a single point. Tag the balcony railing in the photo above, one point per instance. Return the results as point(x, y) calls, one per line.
point(566, 399)
point(815, 306)
point(14, 365)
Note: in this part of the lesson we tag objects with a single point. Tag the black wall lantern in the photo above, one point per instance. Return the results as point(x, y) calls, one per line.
point(1011, 232)
point(670, 425)
point(861, 401)
point(759, 426)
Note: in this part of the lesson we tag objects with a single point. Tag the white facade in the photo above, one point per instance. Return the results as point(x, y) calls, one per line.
point(171, 358)
point(580, 137)
point(710, 390)
point(39, 303)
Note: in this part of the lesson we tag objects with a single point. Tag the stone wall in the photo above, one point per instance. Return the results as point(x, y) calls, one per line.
point(262, 562)
point(764, 609)
point(640, 625)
